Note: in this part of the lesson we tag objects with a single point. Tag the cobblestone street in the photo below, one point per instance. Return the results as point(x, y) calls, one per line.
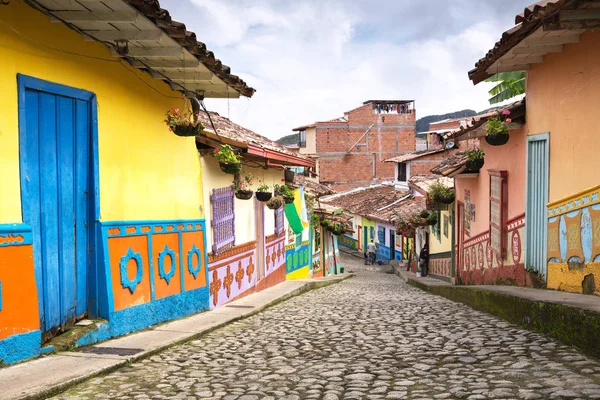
point(369, 337)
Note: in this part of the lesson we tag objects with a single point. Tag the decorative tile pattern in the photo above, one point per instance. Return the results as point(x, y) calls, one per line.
point(125, 281)
point(161, 264)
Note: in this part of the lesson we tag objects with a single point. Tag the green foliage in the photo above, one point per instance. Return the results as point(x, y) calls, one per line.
point(508, 85)
point(263, 187)
point(244, 182)
point(440, 193)
point(315, 220)
point(474, 154)
point(424, 214)
point(338, 211)
point(225, 154)
point(496, 126)
point(284, 191)
point(432, 219)
point(310, 201)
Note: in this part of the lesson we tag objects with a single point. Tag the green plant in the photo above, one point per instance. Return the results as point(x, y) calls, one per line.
point(315, 220)
point(244, 182)
point(183, 122)
point(440, 193)
point(432, 219)
point(285, 192)
point(475, 154)
point(310, 201)
point(424, 214)
point(415, 220)
point(263, 187)
point(508, 85)
point(495, 126)
point(225, 154)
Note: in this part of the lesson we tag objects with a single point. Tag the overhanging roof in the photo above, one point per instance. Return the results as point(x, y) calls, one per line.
point(144, 35)
point(543, 28)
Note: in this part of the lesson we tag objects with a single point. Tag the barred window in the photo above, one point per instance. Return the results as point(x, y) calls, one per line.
point(223, 219)
point(279, 225)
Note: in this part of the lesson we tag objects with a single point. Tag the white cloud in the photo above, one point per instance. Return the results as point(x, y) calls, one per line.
point(308, 61)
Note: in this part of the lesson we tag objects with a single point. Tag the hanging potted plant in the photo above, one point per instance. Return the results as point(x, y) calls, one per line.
point(415, 221)
point(424, 214)
point(183, 122)
point(285, 192)
point(315, 220)
point(275, 202)
point(474, 159)
point(243, 186)
point(338, 229)
point(432, 219)
point(497, 129)
point(263, 192)
point(326, 223)
point(229, 161)
point(441, 194)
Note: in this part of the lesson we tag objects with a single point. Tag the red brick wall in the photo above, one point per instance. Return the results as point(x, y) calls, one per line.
point(423, 165)
point(391, 135)
point(435, 126)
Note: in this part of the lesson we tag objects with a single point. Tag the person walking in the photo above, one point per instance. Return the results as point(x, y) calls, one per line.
point(423, 257)
point(371, 250)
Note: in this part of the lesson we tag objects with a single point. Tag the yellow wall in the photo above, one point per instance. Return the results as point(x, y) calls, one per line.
point(562, 98)
point(245, 225)
point(146, 172)
point(445, 243)
point(311, 142)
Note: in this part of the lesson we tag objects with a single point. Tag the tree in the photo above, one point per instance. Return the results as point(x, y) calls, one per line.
point(509, 85)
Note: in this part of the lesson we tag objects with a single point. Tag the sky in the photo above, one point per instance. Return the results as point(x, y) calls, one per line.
point(311, 60)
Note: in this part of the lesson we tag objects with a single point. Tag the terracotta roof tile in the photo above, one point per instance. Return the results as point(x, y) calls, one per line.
point(311, 187)
point(413, 155)
point(451, 165)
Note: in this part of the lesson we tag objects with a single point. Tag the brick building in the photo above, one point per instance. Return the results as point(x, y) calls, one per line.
point(350, 150)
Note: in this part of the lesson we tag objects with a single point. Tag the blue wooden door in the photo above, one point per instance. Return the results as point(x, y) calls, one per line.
point(536, 220)
point(55, 141)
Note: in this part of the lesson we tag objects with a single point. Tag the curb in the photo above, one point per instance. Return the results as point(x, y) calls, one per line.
point(64, 386)
point(571, 326)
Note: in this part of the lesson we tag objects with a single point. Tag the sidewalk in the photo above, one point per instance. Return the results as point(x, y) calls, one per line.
point(47, 375)
point(571, 318)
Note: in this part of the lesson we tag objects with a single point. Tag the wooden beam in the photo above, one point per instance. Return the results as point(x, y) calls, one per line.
point(550, 40)
point(88, 16)
point(138, 36)
point(182, 77)
point(520, 59)
point(557, 48)
point(154, 52)
point(580, 14)
point(571, 25)
point(232, 94)
point(495, 68)
point(166, 64)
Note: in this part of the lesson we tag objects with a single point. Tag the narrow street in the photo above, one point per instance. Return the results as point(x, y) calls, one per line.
point(369, 337)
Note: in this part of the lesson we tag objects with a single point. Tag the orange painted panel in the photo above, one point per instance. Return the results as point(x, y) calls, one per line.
point(190, 239)
point(171, 267)
point(117, 248)
point(19, 292)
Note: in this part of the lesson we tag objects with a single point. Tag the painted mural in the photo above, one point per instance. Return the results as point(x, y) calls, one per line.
point(440, 265)
point(574, 243)
point(482, 265)
point(348, 242)
point(274, 262)
point(298, 261)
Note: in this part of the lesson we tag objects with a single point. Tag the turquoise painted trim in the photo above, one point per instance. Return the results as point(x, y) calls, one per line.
point(19, 229)
point(20, 347)
point(536, 198)
point(297, 258)
point(182, 259)
point(562, 238)
point(151, 265)
point(141, 316)
point(383, 252)
point(190, 259)
point(125, 281)
point(167, 276)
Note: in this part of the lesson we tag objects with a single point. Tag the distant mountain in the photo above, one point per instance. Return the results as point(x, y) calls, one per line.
point(288, 139)
point(423, 123)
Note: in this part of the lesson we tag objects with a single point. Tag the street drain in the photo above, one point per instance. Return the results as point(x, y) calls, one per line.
point(234, 306)
point(118, 351)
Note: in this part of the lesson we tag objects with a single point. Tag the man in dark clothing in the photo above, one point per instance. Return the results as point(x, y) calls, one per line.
point(423, 256)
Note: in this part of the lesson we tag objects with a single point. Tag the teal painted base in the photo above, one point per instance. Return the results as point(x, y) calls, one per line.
point(141, 316)
point(297, 258)
point(20, 347)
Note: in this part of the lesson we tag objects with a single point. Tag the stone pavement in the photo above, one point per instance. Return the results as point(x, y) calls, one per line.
point(370, 337)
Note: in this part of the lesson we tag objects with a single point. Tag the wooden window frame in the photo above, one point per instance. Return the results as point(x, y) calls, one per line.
point(503, 208)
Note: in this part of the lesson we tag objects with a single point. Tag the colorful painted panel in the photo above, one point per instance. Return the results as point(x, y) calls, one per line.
point(223, 219)
point(349, 242)
point(297, 258)
point(440, 265)
point(383, 252)
point(20, 337)
point(275, 253)
point(232, 273)
point(317, 268)
point(148, 261)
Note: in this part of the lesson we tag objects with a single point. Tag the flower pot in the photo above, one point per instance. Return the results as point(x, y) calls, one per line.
point(230, 168)
point(474, 165)
point(496, 140)
point(187, 130)
point(341, 270)
point(418, 274)
point(288, 200)
point(274, 203)
point(244, 194)
point(446, 199)
point(264, 196)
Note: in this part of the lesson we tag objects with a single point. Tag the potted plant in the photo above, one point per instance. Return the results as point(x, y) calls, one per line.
point(497, 129)
point(440, 193)
point(326, 223)
point(415, 221)
point(263, 192)
point(474, 159)
point(243, 186)
point(338, 228)
point(315, 220)
point(229, 161)
point(424, 214)
point(275, 202)
point(183, 122)
point(432, 219)
point(285, 192)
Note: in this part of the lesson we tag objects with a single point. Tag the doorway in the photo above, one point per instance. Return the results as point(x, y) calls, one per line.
point(260, 239)
point(56, 174)
point(392, 244)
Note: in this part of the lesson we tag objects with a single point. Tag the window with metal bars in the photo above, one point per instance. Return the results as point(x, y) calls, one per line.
point(223, 219)
point(279, 225)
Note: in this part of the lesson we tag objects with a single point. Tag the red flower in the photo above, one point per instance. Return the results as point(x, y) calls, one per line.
point(508, 120)
point(506, 112)
point(282, 179)
point(215, 151)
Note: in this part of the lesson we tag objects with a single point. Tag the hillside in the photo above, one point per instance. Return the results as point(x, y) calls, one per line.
point(288, 139)
point(423, 123)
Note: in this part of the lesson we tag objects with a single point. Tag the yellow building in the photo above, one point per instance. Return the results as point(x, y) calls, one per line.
point(562, 204)
point(101, 213)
